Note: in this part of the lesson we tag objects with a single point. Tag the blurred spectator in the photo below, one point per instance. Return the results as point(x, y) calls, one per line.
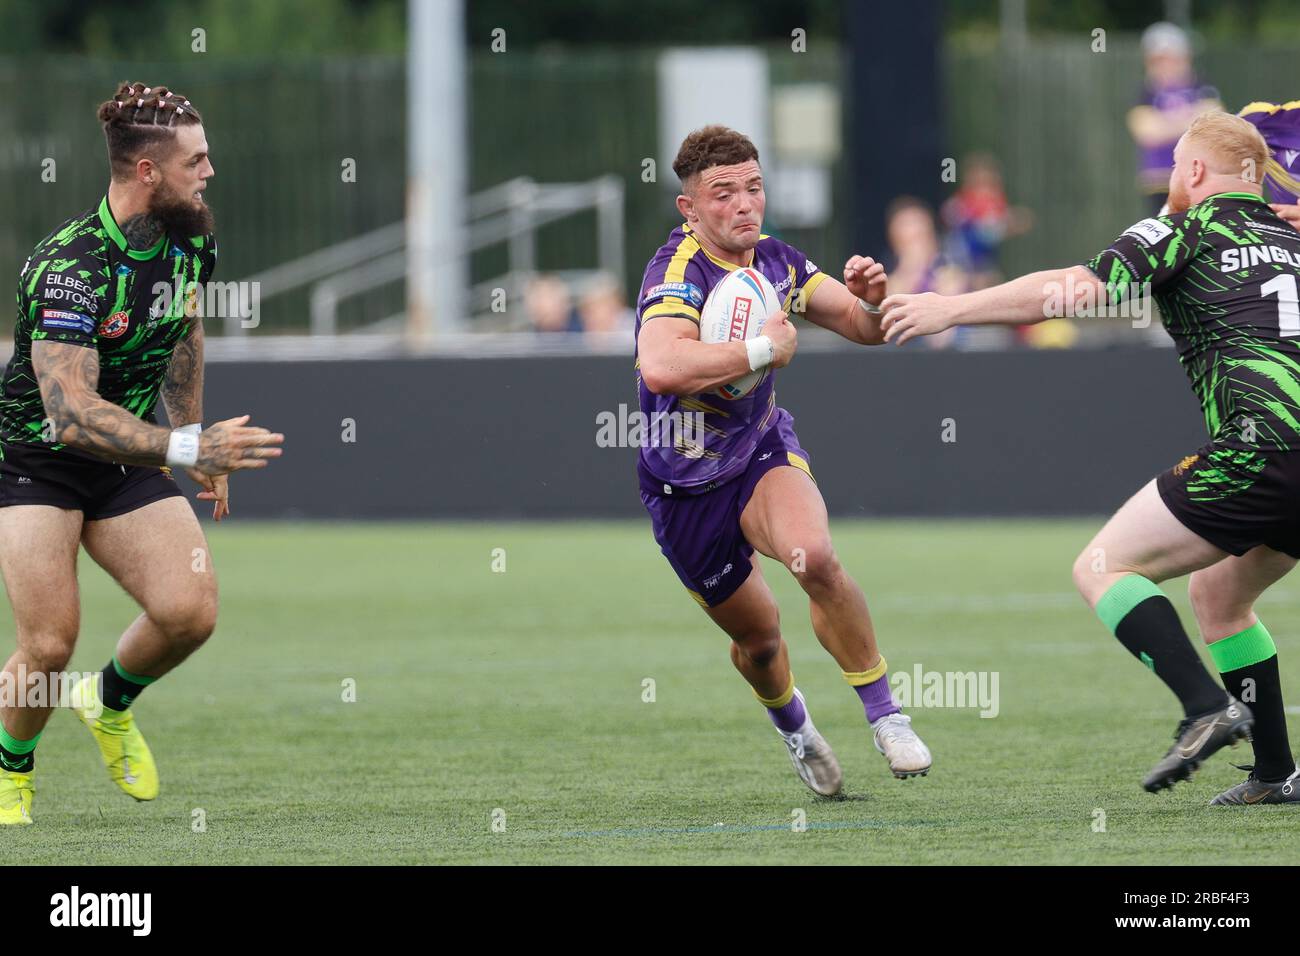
point(918, 263)
point(1173, 97)
point(602, 308)
point(978, 219)
point(550, 306)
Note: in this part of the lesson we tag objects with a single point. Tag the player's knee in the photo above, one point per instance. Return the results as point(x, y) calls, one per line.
point(1215, 610)
point(1201, 596)
point(816, 567)
point(49, 651)
point(1087, 577)
point(189, 623)
point(761, 645)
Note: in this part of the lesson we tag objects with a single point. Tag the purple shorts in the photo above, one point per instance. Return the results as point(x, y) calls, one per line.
point(700, 534)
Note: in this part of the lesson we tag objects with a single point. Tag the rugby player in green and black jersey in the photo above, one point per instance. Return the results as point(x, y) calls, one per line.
point(82, 462)
point(1223, 269)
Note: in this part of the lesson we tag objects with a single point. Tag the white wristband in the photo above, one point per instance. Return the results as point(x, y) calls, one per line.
point(868, 308)
point(182, 449)
point(192, 429)
point(761, 352)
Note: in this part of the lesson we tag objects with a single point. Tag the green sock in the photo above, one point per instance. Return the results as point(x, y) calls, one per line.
point(1144, 621)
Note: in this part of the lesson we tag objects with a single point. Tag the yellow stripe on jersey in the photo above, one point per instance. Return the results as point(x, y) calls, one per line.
point(810, 286)
point(1288, 182)
point(729, 266)
point(671, 306)
point(769, 412)
point(1260, 106)
point(789, 296)
point(800, 462)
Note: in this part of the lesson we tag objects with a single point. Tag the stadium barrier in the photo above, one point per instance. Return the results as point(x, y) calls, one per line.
point(907, 433)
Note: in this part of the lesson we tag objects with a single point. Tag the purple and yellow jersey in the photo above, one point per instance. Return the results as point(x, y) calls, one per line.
point(1280, 126)
point(1154, 162)
point(714, 437)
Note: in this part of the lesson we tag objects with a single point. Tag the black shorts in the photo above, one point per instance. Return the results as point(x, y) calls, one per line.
point(35, 475)
point(1237, 499)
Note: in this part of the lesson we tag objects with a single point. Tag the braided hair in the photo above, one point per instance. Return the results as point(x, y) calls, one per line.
point(140, 119)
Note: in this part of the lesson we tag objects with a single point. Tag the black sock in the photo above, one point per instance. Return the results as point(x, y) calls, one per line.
point(1153, 634)
point(1259, 687)
point(18, 763)
point(119, 688)
point(1247, 661)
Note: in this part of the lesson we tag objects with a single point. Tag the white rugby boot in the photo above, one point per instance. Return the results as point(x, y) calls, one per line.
point(812, 757)
point(908, 756)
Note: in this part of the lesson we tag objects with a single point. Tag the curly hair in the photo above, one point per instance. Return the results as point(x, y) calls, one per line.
point(712, 146)
point(140, 120)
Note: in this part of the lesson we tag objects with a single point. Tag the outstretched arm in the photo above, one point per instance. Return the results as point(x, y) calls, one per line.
point(838, 306)
point(1031, 298)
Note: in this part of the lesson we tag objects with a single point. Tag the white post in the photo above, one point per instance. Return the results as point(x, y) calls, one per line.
point(437, 268)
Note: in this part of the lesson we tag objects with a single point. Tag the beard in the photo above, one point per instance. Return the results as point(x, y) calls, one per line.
point(1177, 197)
point(181, 214)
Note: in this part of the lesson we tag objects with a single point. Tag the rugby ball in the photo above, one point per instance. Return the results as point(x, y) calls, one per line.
point(736, 310)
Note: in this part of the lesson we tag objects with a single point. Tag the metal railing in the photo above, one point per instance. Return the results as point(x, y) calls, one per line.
point(511, 213)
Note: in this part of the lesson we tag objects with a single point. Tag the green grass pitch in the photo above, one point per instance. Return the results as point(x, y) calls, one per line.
point(517, 696)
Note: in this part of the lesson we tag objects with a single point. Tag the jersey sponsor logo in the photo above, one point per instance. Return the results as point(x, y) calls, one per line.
point(688, 291)
point(63, 288)
point(1149, 231)
point(59, 319)
point(1231, 260)
point(809, 266)
point(55, 279)
point(114, 325)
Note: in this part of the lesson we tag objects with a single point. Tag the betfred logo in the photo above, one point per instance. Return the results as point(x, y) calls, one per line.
point(114, 325)
point(740, 317)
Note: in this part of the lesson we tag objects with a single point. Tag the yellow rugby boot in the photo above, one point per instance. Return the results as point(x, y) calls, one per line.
point(16, 791)
point(127, 757)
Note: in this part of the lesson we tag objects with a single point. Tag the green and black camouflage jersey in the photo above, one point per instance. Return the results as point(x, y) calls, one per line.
point(1224, 275)
point(84, 286)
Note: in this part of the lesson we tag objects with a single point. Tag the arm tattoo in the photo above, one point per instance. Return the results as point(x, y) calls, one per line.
point(68, 376)
point(182, 390)
point(142, 231)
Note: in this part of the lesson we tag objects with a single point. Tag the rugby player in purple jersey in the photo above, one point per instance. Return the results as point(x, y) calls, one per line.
point(1279, 124)
point(741, 482)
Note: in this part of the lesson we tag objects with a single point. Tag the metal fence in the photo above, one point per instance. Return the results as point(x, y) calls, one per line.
point(281, 131)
